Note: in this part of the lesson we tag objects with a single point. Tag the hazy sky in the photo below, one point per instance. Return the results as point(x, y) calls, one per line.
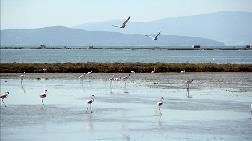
point(42, 13)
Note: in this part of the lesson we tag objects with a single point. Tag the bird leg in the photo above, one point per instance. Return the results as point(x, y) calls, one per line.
point(4, 103)
point(42, 101)
point(91, 109)
point(110, 83)
point(87, 110)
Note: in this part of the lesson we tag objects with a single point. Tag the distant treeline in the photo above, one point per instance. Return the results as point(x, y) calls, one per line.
point(121, 67)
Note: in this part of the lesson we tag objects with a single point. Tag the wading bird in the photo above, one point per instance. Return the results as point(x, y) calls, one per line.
point(22, 76)
point(43, 95)
point(89, 102)
point(89, 72)
point(153, 70)
point(126, 77)
point(123, 24)
point(160, 103)
point(251, 109)
point(44, 69)
point(82, 75)
point(5, 95)
point(188, 82)
point(154, 38)
point(183, 71)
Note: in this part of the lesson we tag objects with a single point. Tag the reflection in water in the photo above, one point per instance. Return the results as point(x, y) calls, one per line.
point(90, 125)
point(110, 87)
point(160, 121)
point(188, 93)
point(82, 85)
point(22, 86)
point(125, 135)
point(125, 90)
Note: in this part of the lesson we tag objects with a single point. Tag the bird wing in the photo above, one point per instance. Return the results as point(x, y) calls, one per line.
point(125, 22)
point(157, 35)
point(115, 26)
point(149, 36)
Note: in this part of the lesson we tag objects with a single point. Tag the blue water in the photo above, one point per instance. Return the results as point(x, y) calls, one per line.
point(148, 56)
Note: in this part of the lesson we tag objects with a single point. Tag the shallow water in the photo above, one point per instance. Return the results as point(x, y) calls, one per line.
point(110, 56)
point(126, 110)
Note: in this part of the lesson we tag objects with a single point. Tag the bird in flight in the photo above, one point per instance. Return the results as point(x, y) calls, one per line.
point(154, 38)
point(123, 24)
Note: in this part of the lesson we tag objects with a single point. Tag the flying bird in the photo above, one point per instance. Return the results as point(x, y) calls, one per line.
point(89, 102)
point(154, 38)
point(123, 24)
point(5, 95)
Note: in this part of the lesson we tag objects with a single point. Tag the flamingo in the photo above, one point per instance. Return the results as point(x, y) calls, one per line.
point(188, 82)
point(89, 72)
point(44, 69)
point(153, 70)
point(89, 102)
point(123, 24)
point(154, 38)
point(251, 109)
point(85, 74)
point(160, 103)
point(82, 75)
point(43, 95)
point(22, 76)
point(126, 77)
point(5, 95)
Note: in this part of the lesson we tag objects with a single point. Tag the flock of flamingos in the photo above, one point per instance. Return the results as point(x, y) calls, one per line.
point(90, 100)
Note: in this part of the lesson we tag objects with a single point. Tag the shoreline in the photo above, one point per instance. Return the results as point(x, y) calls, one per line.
point(121, 67)
point(133, 48)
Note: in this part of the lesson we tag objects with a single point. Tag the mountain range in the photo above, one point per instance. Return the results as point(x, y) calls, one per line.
point(232, 28)
point(64, 36)
point(214, 29)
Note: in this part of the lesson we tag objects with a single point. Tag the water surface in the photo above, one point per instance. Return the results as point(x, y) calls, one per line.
point(126, 110)
point(109, 56)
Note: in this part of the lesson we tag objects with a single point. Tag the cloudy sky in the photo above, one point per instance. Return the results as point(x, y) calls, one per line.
point(42, 13)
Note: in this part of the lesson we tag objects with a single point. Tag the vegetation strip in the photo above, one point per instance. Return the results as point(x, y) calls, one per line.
point(121, 67)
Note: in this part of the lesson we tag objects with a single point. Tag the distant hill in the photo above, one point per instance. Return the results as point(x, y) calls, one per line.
point(232, 28)
point(63, 36)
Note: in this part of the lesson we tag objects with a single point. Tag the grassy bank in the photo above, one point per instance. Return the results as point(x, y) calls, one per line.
point(121, 67)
